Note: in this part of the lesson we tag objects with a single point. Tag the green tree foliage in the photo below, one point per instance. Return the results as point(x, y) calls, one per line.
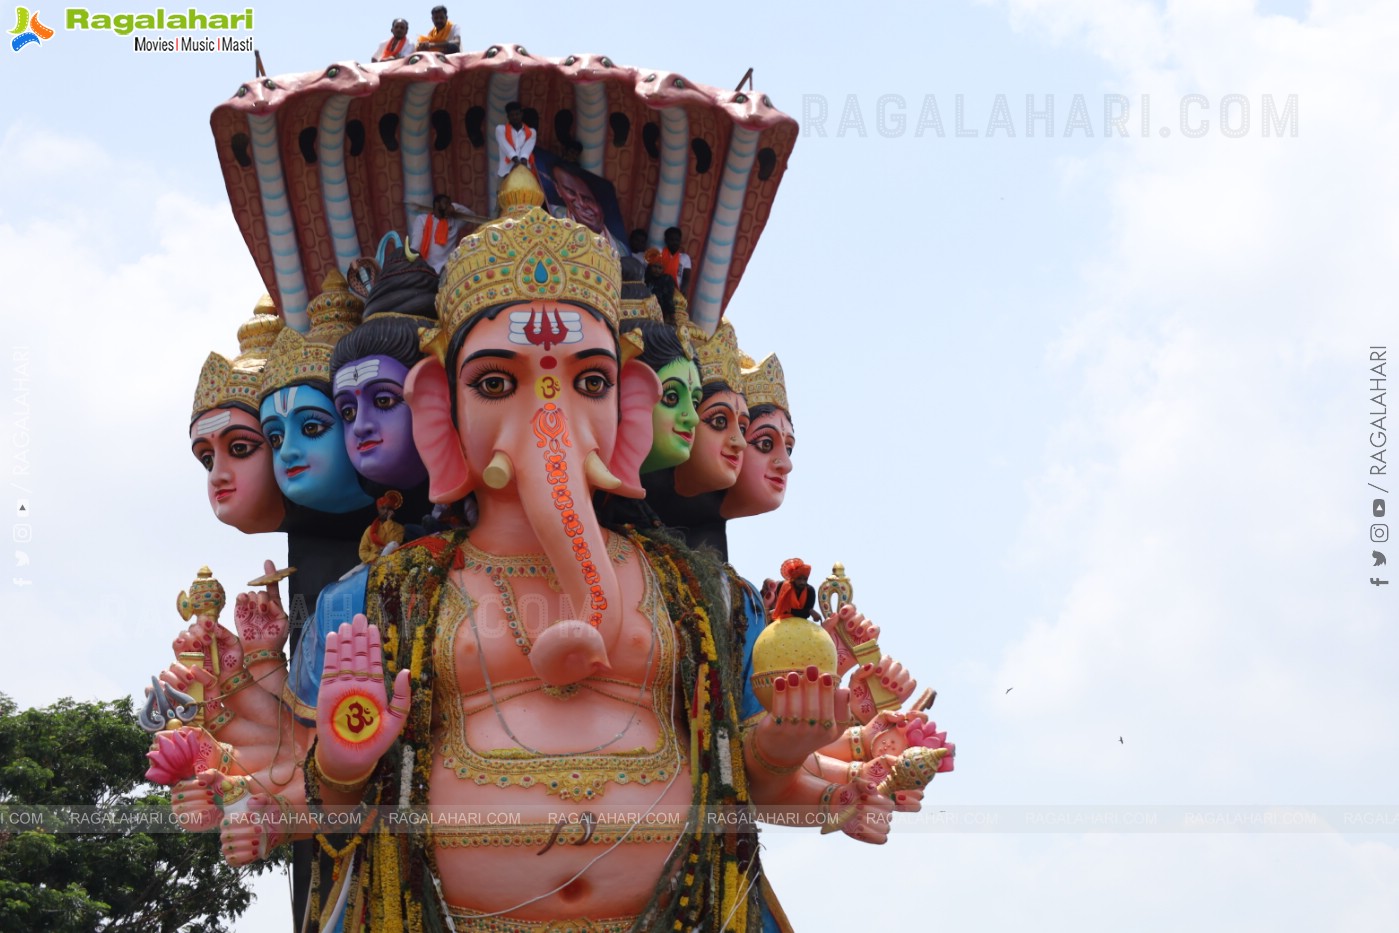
point(120, 882)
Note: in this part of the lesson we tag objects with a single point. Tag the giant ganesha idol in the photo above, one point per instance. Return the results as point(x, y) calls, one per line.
point(585, 682)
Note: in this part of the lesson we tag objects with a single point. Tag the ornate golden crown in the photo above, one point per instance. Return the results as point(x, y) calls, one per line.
point(528, 256)
point(257, 334)
point(223, 381)
point(764, 383)
point(718, 354)
point(294, 358)
point(335, 311)
point(640, 309)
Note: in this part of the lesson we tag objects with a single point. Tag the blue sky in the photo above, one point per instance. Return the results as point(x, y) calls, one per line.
point(1082, 416)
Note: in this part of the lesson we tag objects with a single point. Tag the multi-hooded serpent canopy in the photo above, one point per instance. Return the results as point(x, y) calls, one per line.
point(320, 165)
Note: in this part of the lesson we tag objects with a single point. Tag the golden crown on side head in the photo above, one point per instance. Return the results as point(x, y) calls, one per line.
point(257, 334)
point(764, 383)
point(294, 358)
point(718, 354)
point(640, 309)
point(223, 381)
point(528, 255)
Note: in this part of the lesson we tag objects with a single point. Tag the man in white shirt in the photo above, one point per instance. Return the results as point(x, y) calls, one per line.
point(435, 235)
point(675, 262)
point(398, 45)
point(514, 140)
point(637, 242)
point(445, 35)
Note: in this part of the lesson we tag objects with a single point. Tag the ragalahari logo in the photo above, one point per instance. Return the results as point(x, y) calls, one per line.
point(28, 30)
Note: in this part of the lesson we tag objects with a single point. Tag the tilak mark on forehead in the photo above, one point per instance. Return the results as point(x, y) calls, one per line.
point(545, 328)
point(212, 422)
point(283, 400)
point(356, 374)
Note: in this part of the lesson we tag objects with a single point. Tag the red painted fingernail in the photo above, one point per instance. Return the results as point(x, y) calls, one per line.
point(812, 672)
point(780, 684)
point(826, 680)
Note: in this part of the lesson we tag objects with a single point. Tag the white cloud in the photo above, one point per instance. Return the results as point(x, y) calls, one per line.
point(115, 336)
point(1204, 503)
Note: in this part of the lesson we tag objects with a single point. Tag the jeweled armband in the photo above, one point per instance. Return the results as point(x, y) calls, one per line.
point(241, 678)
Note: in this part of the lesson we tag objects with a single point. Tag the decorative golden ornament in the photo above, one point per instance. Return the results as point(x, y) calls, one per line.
point(631, 344)
point(519, 191)
point(640, 309)
point(834, 592)
point(223, 381)
point(206, 597)
point(257, 334)
point(789, 644)
point(296, 358)
point(335, 311)
point(764, 383)
point(276, 576)
point(527, 255)
point(717, 354)
point(913, 770)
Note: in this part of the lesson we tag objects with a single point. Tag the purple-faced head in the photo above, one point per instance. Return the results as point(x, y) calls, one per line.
point(368, 369)
point(378, 424)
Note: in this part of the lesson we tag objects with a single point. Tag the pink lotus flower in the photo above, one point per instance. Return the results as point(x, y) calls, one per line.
point(925, 735)
point(175, 757)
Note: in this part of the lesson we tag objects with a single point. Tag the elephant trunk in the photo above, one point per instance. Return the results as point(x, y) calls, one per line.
point(554, 492)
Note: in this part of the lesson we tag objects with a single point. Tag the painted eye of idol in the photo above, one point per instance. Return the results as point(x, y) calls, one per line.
point(491, 384)
point(239, 447)
point(382, 400)
point(315, 425)
point(593, 384)
point(767, 440)
point(716, 418)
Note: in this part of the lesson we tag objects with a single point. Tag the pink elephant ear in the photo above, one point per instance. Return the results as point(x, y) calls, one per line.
point(429, 397)
point(639, 389)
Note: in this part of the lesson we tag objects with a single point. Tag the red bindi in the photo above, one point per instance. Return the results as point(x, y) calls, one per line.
point(548, 362)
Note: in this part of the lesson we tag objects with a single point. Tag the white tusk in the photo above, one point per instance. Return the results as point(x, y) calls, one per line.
point(598, 474)
point(499, 471)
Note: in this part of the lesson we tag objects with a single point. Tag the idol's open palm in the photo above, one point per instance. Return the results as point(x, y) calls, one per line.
point(355, 721)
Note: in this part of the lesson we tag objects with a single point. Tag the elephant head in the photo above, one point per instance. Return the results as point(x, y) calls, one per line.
point(533, 412)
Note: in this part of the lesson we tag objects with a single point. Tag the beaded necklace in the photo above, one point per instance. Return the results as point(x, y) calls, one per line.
point(499, 570)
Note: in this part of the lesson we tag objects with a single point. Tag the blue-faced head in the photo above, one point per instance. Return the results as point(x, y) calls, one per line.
point(309, 459)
